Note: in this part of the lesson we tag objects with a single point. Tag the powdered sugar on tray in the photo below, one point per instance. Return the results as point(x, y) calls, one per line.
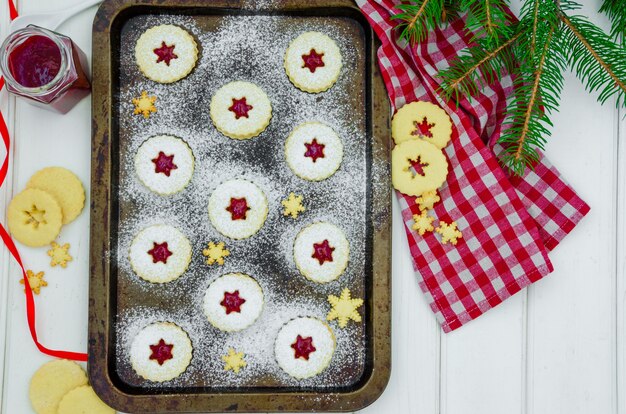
point(248, 48)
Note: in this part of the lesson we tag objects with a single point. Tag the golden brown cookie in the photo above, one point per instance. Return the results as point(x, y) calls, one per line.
point(34, 217)
point(422, 120)
point(51, 382)
point(417, 167)
point(63, 185)
point(83, 400)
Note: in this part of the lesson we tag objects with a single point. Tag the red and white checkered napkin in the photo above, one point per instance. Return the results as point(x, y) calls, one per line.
point(508, 223)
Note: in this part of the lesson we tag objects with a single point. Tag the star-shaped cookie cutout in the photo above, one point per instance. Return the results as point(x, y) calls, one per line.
point(215, 253)
point(293, 205)
point(59, 255)
point(423, 222)
point(144, 105)
point(234, 361)
point(449, 232)
point(427, 200)
point(344, 308)
point(35, 281)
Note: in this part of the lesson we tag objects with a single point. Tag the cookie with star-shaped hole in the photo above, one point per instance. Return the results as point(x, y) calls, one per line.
point(34, 217)
point(161, 351)
point(313, 62)
point(238, 208)
point(160, 253)
point(164, 164)
point(313, 151)
point(240, 110)
point(321, 252)
point(233, 302)
point(417, 167)
point(304, 347)
point(422, 120)
point(166, 53)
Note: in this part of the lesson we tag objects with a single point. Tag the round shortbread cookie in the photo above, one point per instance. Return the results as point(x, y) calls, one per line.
point(160, 253)
point(321, 252)
point(51, 382)
point(408, 155)
point(423, 120)
point(161, 351)
point(233, 302)
point(166, 53)
point(238, 208)
point(304, 347)
point(313, 62)
point(240, 110)
point(83, 400)
point(34, 217)
point(64, 186)
point(313, 151)
point(164, 164)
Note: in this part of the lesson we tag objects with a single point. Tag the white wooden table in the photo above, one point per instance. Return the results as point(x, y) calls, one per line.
point(557, 347)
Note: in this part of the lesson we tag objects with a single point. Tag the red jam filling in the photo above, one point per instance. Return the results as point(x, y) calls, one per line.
point(232, 302)
point(164, 163)
point(323, 252)
point(165, 53)
point(314, 150)
point(160, 252)
point(161, 351)
point(240, 107)
point(238, 208)
point(303, 347)
point(313, 60)
point(423, 128)
point(35, 62)
point(418, 166)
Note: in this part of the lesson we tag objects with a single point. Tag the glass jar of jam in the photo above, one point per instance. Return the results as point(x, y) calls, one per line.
point(44, 67)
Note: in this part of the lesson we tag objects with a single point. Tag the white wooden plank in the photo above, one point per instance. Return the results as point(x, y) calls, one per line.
point(46, 139)
point(414, 384)
point(621, 267)
point(572, 312)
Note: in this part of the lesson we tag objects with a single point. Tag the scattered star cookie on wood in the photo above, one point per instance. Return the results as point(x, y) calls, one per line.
point(215, 253)
point(423, 222)
point(344, 308)
point(449, 232)
point(144, 105)
point(234, 361)
point(59, 255)
point(293, 205)
point(427, 200)
point(35, 281)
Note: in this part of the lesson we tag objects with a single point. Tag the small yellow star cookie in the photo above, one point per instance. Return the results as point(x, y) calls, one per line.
point(215, 253)
point(234, 361)
point(344, 308)
point(293, 205)
point(35, 281)
point(449, 232)
point(427, 200)
point(144, 105)
point(423, 222)
point(59, 255)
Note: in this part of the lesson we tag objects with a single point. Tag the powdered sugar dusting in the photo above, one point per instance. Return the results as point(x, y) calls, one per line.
point(248, 48)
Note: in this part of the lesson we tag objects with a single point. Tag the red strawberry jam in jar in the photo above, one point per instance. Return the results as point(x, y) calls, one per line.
point(44, 67)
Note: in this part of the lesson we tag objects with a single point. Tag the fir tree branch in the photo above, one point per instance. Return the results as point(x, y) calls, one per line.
point(487, 20)
point(615, 10)
point(418, 17)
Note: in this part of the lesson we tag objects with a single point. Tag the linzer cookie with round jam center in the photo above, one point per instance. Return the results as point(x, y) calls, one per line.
point(321, 252)
point(238, 208)
point(164, 164)
point(304, 347)
point(313, 62)
point(240, 110)
point(160, 253)
point(166, 53)
point(161, 351)
point(233, 302)
point(313, 151)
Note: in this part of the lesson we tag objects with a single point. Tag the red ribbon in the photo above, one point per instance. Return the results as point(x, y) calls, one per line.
point(8, 241)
